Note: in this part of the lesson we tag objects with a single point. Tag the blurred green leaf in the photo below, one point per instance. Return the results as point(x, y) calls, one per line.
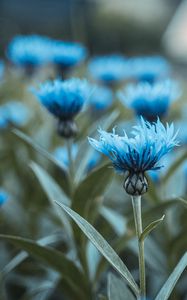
point(54, 259)
point(169, 285)
point(150, 227)
point(54, 193)
point(20, 257)
point(101, 244)
point(176, 164)
point(81, 164)
point(117, 289)
point(91, 187)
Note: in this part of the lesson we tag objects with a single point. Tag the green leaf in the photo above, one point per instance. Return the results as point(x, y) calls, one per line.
point(53, 258)
point(39, 149)
point(150, 227)
point(117, 289)
point(81, 164)
point(176, 164)
point(53, 192)
point(101, 244)
point(169, 285)
point(20, 257)
point(91, 187)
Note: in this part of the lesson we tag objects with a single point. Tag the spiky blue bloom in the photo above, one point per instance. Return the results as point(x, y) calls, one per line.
point(141, 152)
point(101, 98)
point(150, 100)
point(64, 99)
point(67, 54)
point(109, 68)
point(148, 68)
point(2, 67)
point(3, 196)
point(29, 50)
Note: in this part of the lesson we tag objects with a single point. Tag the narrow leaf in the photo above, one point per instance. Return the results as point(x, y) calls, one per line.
point(53, 192)
point(150, 227)
point(169, 285)
point(101, 244)
point(117, 289)
point(52, 258)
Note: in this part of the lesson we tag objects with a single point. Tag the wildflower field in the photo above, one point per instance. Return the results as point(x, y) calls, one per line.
point(93, 161)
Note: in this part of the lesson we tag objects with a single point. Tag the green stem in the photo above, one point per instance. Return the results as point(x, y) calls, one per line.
point(69, 144)
point(136, 203)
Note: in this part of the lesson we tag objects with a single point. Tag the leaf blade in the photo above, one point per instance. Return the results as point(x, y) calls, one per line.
point(169, 285)
point(102, 245)
point(150, 227)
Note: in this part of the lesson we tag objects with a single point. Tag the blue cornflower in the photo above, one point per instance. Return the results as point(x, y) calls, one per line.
point(150, 100)
point(14, 112)
point(101, 98)
point(3, 196)
point(139, 153)
point(148, 68)
point(108, 69)
point(67, 54)
point(29, 50)
point(64, 99)
point(61, 154)
point(2, 67)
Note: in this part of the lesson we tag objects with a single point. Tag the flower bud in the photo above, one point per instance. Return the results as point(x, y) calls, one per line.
point(67, 128)
point(136, 184)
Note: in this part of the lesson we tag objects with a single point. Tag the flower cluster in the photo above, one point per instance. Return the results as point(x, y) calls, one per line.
point(150, 100)
point(139, 153)
point(108, 69)
point(148, 68)
point(35, 50)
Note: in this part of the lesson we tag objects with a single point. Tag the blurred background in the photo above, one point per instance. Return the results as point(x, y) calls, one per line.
point(103, 25)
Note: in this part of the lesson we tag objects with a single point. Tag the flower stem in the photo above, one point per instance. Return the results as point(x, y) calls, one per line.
point(136, 203)
point(69, 144)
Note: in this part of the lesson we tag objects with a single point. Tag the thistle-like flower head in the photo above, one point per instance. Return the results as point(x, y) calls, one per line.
point(109, 68)
point(139, 153)
point(64, 99)
point(150, 100)
point(101, 98)
point(31, 50)
point(149, 68)
point(67, 54)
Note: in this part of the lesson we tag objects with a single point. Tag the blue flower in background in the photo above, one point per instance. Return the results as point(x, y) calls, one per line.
point(137, 154)
point(67, 54)
point(31, 50)
point(109, 68)
point(150, 100)
point(148, 68)
point(2, 67)
point(64, 99)
point(3, 196)
point(15, 113)
point(101, 98)
point(61, 155)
